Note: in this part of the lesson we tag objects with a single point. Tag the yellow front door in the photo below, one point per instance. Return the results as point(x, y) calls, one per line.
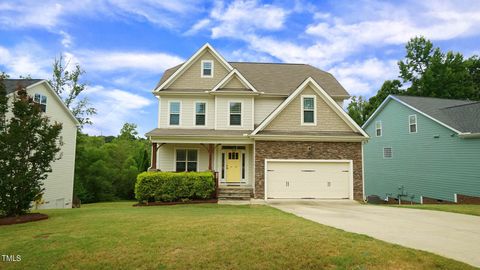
point(233, 166)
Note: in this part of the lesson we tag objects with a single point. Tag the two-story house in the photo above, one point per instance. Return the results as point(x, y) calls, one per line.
point(424, 150)
point(276, 129)
point(58, 186)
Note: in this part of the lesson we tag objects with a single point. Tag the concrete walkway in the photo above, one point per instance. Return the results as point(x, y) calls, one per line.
point(450, 235)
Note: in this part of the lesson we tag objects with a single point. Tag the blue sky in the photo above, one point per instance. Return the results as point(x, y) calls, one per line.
point(124, 46)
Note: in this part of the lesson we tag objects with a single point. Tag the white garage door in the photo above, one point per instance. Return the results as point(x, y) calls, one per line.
point(295, 179)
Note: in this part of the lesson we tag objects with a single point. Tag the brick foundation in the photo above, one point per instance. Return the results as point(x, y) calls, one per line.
point(464, 199)
point(308, 150)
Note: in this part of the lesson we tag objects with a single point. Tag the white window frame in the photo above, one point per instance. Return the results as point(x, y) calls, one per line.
point(314, 110)
point(241, 113)
point(416, 123)
point(376, 129)
point(201, 69)
point(195, 113)
point(179, 113)
point(391, 151)
point(40, 96)
point(185, 148)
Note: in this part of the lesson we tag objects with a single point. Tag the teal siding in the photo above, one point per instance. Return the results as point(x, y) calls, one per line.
point(423, 165)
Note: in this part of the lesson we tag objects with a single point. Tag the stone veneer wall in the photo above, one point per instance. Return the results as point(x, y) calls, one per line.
point(308, 150)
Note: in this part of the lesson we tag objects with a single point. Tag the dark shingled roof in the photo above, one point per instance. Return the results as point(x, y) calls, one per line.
point(462, 115)
point(12, 84)
point(279, 78)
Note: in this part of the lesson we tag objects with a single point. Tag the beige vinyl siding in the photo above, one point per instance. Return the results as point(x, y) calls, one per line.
point(59, 184)
point(223, 112)
point(187, 111)
point(166, 156)
point(290, 118)
point(191, 78)
point(264, 107)
point(234, 83)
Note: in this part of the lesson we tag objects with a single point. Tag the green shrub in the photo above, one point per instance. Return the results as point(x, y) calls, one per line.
point(171, 186)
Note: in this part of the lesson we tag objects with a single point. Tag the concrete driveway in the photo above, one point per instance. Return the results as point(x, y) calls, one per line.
point(450, 235)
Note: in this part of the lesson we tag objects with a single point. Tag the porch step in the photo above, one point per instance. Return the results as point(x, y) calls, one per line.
point(230, 193)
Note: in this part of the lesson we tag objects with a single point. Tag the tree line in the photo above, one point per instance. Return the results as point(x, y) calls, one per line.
point(425, 71)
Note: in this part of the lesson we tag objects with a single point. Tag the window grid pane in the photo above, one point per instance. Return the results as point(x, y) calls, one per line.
point(308, 103)
point(235, 107)
point(200, 120)
point(174, 119)
point(235, 120)
point(308, 117)
point(200, 108)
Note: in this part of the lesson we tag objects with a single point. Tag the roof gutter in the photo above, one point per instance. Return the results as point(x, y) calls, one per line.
point(469, 135)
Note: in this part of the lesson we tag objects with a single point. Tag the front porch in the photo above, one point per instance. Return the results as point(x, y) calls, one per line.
point(231, 163)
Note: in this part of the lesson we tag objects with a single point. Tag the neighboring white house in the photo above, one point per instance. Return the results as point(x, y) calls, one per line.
point(59, 184)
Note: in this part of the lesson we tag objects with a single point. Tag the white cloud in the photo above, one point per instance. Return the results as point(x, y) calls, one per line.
point(198, 26)
point(108, 61)
point(66, 39)
point(364, 77)
point(50, 14)
point(242, 17)
point(114, 108)
point(26, 58)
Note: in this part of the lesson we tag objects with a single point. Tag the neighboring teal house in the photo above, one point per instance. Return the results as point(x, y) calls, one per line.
point(425, 150)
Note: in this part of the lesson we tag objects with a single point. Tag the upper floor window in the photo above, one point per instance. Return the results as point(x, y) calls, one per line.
point(207, 68)
point(412, 123)
point(235, 113)
point(41, 100)
point(308, 110)
point(174, 113)
point(200, 111)
point(378, 129)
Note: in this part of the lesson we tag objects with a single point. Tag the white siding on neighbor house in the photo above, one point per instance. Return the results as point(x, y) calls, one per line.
point(59, 184)
point(166, 156)
point(223, 112)
point(187, 108)
point(265, 106)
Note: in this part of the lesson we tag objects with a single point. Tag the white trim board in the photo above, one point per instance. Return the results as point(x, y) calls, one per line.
point(190, 61)
point(321, 92)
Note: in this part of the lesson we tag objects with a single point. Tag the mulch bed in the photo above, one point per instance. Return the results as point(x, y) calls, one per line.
point(22, 219)
point(174, 203)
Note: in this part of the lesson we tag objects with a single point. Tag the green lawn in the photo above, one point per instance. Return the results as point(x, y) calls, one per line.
point(118, 236)
point(468, 209)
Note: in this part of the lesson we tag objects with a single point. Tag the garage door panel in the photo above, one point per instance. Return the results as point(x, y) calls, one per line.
point(291, 179)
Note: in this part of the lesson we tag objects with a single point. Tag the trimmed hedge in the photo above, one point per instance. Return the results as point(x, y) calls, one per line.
point(172, 186)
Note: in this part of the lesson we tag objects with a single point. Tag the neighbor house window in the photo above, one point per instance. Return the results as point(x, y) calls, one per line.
point(207, 68)
point(235, 113)
point(378, 129)
point(308, 110)
point(41, 100)
point(200, 111)
point(387, 152)
point(186, 160)
point(412, 121)
point(174, 113)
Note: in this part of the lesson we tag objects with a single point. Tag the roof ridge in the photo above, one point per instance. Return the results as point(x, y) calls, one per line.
point(268, 63)
point(461, 105)
point(466, 100)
